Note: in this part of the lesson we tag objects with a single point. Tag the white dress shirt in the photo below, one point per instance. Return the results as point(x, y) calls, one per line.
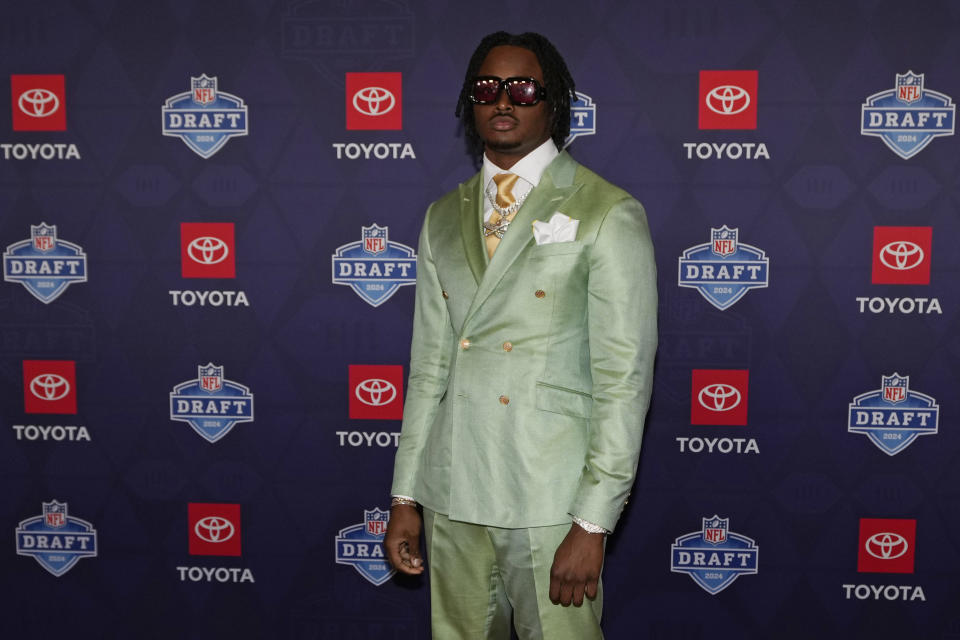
point(529, 169)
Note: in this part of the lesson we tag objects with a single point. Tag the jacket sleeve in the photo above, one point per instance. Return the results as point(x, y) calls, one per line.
point(622, 330)
point(429, 367)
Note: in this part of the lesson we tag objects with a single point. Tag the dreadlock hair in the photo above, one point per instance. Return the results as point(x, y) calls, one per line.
point(556, 79)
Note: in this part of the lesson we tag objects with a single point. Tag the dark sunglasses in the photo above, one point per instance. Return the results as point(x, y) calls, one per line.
point(524, 92)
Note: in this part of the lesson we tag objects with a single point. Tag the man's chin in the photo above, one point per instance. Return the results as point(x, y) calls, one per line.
point(503, 145)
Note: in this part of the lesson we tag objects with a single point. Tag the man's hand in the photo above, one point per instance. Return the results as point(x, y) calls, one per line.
point(402, 541)
point(576, 567)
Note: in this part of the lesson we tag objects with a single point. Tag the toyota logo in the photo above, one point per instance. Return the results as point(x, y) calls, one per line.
point(214, 529)
point(49, 386)
point(719, 397)
point(901, 255)
point(886, 546)
point(728, 100)
point(376, 101)
point(208, 250)
point(38, 103)
point(375, 392)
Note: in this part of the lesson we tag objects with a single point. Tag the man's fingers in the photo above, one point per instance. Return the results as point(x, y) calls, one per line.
point(591, 589)
point(410, 554)
point(554, 589)
point(394, 555)
point(578, 594)
point(404, 557)
point(566, 593)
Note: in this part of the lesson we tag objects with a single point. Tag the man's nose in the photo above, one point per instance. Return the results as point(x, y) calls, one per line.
point(503, 101)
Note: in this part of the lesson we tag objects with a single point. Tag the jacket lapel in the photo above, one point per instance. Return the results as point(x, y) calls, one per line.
point(556, 186)
point(470, 232)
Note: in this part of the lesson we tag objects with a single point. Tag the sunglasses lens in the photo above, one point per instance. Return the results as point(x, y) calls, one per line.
point(485, 91)
point(523, 92)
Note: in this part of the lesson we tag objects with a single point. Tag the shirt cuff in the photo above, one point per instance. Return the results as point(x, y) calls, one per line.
point(589, 527)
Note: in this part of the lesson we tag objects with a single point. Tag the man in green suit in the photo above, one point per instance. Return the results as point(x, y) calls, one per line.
point(530, 368)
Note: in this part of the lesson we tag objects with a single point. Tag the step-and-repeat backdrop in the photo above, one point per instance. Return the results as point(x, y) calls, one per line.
point(209, 222)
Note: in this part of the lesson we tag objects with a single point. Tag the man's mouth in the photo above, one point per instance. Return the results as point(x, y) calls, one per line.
point(502, 123)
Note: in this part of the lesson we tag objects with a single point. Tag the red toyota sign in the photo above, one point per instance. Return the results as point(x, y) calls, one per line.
point(728, 100)
point(374, 101)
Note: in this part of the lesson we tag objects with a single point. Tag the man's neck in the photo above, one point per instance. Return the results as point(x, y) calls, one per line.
point(503, 160)
point(506, 159)
point(529, 167)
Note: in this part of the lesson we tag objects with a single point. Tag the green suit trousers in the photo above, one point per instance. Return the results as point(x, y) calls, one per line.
point(481, 576)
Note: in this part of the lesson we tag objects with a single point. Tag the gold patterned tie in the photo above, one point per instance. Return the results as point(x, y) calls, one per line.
point(504, 182)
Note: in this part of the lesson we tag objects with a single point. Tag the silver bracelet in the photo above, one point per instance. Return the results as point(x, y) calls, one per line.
point(589, 527)
point(398, 500)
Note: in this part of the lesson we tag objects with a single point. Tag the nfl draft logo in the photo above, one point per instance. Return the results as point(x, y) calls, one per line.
point(714, 556)
point(583, 118)
point(361, 545)
point(724, 269)
point(55, 539)
point(205, 118)
point(908, 116)
point(373, 266)
point(44, 265)
point(211, 404)
point(893, 416)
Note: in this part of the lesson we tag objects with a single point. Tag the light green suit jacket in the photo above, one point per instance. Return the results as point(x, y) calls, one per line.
point(528, 433)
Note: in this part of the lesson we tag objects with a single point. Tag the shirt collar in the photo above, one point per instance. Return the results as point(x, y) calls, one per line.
point(530, 167)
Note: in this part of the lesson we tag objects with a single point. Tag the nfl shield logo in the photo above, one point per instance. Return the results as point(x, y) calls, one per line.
point(690, 553)
point(909, 87)
point(895, 388)
point(374, 266)
point(361, 545)
point(211, 378)
point(44, 237)
point(195, 401)
point(374, 239)
point(715, 529)
point(894, 415)
point(376, 521)
point(55, 514)
point(724, 240)
point(204, 90)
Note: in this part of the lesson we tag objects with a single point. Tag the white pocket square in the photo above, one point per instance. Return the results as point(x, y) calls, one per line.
point(560, 228)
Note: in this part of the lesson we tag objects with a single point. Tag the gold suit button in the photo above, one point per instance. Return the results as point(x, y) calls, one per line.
point(464, 344)
point(508, 346)
point(444, 294)
point(539, 293)
point(504, 400)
